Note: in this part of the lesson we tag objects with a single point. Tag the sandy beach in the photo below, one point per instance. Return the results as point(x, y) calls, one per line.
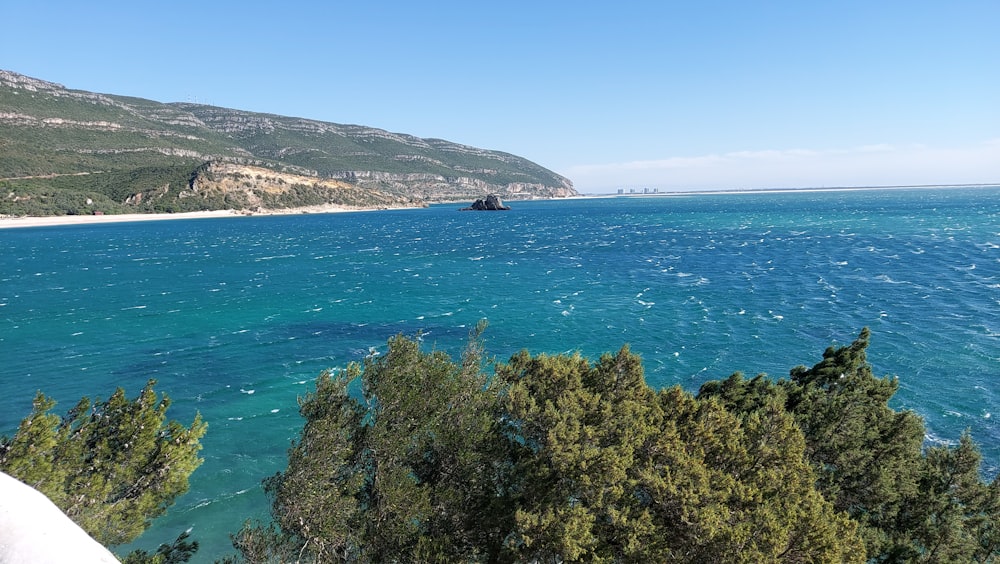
point(7, 221)
point(53, 220)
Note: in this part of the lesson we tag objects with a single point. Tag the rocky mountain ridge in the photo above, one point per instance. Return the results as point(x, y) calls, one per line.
point(61, 148)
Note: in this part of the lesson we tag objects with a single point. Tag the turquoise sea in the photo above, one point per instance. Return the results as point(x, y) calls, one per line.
point(236, 317)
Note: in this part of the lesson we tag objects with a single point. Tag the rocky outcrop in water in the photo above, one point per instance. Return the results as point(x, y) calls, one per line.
point(490, 203)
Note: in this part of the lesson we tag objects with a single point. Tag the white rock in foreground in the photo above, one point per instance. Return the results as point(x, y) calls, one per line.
point(34, 531)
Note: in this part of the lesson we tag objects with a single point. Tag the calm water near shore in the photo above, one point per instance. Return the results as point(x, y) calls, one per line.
point(235, 317)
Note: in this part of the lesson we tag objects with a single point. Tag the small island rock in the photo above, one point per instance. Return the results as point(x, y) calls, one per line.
point(490, 203)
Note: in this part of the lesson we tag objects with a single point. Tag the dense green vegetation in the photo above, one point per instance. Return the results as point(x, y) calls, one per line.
point(108, 192)
point(555, 458)
point(111, 466)
point(415, 457)
point(912, 504)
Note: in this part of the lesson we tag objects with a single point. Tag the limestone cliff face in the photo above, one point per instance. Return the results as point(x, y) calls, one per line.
point(426, 169)
point(431, 187)
point(35, 85)
point(257, 188)
point(260, 189)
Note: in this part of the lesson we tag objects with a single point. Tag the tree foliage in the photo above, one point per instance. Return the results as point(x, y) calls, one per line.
point(181, 550)
point(414, 457)
point(912, 504)
point(111, 466)
point(616, 472)
point(403, 470)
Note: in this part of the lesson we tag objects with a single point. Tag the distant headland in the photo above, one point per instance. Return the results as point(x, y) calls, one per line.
point(72, 152)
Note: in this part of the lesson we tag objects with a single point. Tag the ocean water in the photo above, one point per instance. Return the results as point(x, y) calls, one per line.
point(236, 317)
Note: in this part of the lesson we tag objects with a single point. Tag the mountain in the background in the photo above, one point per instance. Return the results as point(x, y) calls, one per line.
point(68, 151)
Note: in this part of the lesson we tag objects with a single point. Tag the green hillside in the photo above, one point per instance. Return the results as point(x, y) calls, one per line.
point(68, 151)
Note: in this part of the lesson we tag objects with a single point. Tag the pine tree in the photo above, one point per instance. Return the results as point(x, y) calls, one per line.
point(111, 466)
point(912, 504)
point(552, 458)
point(407, 471)
point(619, 473)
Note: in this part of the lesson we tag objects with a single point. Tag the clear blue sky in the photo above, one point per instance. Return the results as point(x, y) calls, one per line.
point(664, 94)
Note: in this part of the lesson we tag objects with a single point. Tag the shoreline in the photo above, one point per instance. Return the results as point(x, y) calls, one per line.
point(8, 222)
point(11, 222)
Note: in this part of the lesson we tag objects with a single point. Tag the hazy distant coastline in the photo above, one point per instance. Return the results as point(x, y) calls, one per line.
point(675, 192)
